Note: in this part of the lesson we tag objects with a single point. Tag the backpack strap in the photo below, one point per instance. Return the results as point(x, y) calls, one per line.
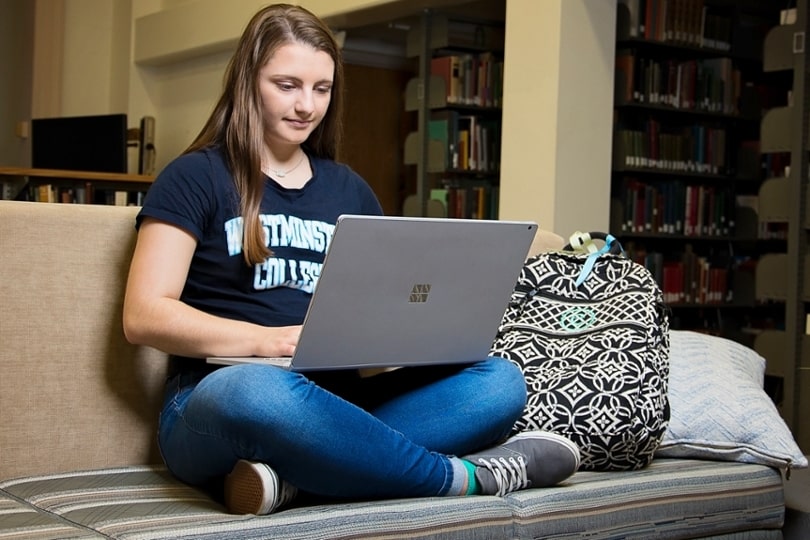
point(584, 243)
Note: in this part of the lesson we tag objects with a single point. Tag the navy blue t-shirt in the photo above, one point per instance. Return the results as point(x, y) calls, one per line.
point(196, 192)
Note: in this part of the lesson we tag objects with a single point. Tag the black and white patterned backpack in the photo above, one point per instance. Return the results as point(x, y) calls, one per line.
point(590, 331)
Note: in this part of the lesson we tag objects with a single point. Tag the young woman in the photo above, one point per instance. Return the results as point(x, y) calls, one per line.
point(231, 239)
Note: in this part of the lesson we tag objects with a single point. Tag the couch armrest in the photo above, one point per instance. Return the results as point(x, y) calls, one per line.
point(73, 393)
point(545, 241)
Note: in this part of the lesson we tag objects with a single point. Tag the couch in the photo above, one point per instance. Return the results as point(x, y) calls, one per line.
point(79, 408)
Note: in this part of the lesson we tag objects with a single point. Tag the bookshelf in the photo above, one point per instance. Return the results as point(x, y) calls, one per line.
point(687, 167)
point(782, 275)
point(68, 186)
point(457, 96)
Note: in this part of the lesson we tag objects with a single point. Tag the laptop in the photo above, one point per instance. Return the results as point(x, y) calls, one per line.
point(406, 291)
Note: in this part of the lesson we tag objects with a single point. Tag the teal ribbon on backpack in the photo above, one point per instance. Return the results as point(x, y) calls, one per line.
point(588, 246)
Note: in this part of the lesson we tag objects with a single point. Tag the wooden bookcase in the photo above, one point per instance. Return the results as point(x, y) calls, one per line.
point(687, 166)
point(456, 95)
point(66, 186)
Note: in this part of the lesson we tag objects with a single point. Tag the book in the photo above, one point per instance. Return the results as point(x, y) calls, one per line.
point(466, 129)
point(441, 195)
point(449, 69)
point(487, 80)
point(625, 76)
point(67, 195)
point(46, 193)
point(443, 126)
point(438, 130)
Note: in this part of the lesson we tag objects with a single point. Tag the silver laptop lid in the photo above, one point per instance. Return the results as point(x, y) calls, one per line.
point(398, 291)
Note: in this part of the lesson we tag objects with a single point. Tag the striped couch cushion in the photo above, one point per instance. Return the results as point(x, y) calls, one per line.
point(21, 520)
point(669, 499)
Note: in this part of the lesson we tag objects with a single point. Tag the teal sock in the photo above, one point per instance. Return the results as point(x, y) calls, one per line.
point(472, 484)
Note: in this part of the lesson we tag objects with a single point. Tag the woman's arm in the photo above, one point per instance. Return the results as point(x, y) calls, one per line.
point(154, 315)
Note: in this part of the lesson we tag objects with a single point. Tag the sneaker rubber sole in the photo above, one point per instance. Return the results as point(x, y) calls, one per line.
point(252, 488)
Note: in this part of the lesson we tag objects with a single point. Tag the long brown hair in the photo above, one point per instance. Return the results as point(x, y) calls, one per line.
point(236, 121)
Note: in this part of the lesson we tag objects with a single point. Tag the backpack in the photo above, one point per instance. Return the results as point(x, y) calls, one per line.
point(589, 329)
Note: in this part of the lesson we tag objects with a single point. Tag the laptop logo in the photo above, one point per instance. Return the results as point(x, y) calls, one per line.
point(419, 293)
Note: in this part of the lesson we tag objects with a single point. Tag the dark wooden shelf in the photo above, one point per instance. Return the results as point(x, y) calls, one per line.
point(59, 174)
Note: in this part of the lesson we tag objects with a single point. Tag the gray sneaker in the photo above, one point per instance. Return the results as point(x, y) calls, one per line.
point(531, 459)
point(255, 488)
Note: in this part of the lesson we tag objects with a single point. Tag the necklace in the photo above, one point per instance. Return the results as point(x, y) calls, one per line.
point(280, 173)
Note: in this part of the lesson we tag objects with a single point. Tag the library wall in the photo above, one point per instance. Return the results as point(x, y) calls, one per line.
point(16, 24)
point(558, 98)
point(99, 53)
point(48, 52)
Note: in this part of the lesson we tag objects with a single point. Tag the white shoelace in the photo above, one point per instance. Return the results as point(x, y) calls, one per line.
point(510, 474)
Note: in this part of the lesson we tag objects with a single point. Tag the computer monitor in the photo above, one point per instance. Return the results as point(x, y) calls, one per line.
point(80, 143)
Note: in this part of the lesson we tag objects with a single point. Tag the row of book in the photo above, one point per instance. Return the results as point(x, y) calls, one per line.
point(673, 208)
point(471, 79)
point(769, 164)
point(711, 85)
point(81, 194)
point(462, 200)
point(690, 279)
point(691, 149)
point(753, 164)
point(776, 164)
point(687, 22)
point(469, 142)
point(8, 190)
point(695, 281)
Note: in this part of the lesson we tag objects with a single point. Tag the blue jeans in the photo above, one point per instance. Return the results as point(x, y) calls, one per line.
point(335, 433)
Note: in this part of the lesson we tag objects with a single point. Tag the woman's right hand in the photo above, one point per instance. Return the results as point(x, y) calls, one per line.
point(279, 341)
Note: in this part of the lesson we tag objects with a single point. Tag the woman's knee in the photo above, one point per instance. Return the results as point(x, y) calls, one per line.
point(241, 392)
point(506, 379)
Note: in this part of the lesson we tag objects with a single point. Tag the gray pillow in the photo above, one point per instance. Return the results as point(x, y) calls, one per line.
point(719, 409)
